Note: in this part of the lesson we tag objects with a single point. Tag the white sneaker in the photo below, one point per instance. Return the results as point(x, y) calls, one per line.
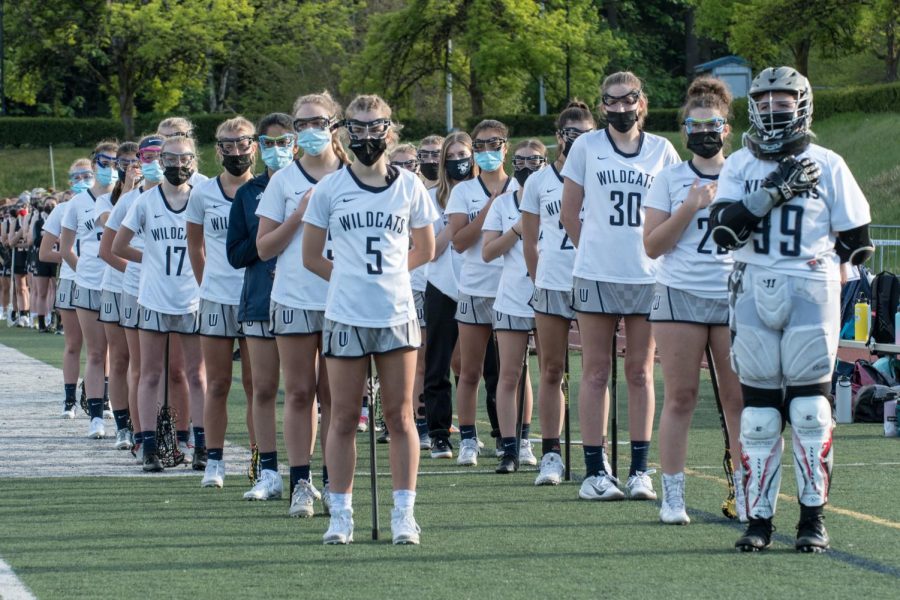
point(138, 454)
point(424, 442)
point(214, 475)
point(186, 450)
point(303, 500)
point(340, 528)
point(640, 487)
point(404, 529)
point(600, 487)
point(326, 499)
point(672, 510)
point(526, 456)
point(268, 487)
point(552, 469)
point(468, 453)
point(124, 439)
point(96, 431)
point(68, 412)
point(107, 412)
point(22, 322)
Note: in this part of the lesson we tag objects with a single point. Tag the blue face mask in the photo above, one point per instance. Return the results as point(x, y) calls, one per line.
point(278, 158)
point(152, 171)
point(313, 141)
point(106, 176)
point(82, 186)
point(490, 160)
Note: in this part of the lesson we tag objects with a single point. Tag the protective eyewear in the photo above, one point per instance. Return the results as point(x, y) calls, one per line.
point(313, 123)
point(628, 99)
point(105, 160)
point(81, 176)
point(126, 163)
point(185, 134)
point(171, 159)
point(533, 162)
point(494, 143)
point(713, 124)
point(367, 129)
point(282, 141)
point(238, 145)
point(571, 133)
point(409, 165)
point(149, 154)
point(429, 156)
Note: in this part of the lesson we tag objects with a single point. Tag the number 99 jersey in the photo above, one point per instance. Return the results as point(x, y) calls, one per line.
point(611, 246)
point(167, 279)
point(370, 228)
point(797, 238)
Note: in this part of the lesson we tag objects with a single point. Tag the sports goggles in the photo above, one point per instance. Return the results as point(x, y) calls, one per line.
point(282, 141)
point(105, 160)
point(628, 99)
point(409, 165)
point(238, 145)
point(571, 133)
point(428, 156)
point(494, 143)
point(714, 124)
point(533, 162)
point(81, 176)
point(367, 129)
point(171, 159)
point(313, 123)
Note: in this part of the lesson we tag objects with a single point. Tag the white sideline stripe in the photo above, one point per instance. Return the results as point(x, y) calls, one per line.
point(11, 587)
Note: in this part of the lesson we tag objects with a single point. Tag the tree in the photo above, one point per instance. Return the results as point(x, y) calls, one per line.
point(879, 33)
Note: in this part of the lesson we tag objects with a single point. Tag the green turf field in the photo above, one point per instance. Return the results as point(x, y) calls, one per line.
point(484, 535)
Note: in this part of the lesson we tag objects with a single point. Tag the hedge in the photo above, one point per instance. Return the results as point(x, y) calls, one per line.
point(43, 131)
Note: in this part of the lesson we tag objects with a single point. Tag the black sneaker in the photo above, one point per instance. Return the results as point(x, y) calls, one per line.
point(811, 534)
point(441, 448)
point(199, 461)
point(757, 537)
point(508, 464)
point(152, 463)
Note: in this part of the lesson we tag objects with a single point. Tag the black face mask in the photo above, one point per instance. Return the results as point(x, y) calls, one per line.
point(622, 121)
point(705, 144)
point(459, 169)
point(567, 147)
point(237, 164)
point(369, 150)
point(521, 175)
point(177, 175)
point(429, 171)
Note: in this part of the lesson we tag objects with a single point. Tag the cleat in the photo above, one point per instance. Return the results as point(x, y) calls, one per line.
point(97, 430)
point(268, 487)
point(404, 529)
point(303, 500)
point(124, 439)
point(326, 499)
point(468, 453)
point(198, 462)
point(68, 410)
point(151, 463)
point(424, 441)
point(552, 470)
point(137, 452)
point(601, 487)
point(186, 450)
point(441, 448)
point(498, 447)
point(672, 511)
point(811, 534)
point(363, 425)
point(526, 456)
point(640, 487)
point(214, 476)
point(384, 437)
point(508, 464)
point(758, 536)
point(340, 528)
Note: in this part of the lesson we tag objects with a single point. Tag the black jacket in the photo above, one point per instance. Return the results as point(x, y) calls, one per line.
point(240, 245)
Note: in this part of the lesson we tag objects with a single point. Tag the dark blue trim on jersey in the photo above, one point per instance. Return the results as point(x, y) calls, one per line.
point(555, 172)
point(309, 177)
point(699, 174)
point(616, 148)
point(487, 192)
point(166, 202)
point(91, 194)
point(392, 176)
point(222, 190)
point(516, 200)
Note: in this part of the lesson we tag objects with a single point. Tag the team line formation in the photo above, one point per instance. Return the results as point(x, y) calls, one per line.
point(431, 260)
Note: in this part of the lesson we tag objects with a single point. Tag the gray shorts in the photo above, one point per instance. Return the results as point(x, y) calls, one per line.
point(475, 310)
point(419, 298)
point(85, 299)
point(109, 307)
point(284, 320)
point(608, 298)
point(257, 329)
point(64, 294)
point(505, 322)
point(346, 341)
point(219, 320)
point(129, 311)
point(672, 305)
point(552, 302)
point(150, 320)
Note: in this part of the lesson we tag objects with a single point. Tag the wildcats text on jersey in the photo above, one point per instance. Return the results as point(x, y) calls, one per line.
point(751, 185)
point(370, 219)
point(629, 176)
point(168, 233)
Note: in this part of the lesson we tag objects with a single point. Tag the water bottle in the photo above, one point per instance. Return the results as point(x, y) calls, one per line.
point(843, 402)
point(862, 315)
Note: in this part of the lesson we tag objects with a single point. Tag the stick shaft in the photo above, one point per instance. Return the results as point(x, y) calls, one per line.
point(566, 424)
point(373, 466)
point(614, 399)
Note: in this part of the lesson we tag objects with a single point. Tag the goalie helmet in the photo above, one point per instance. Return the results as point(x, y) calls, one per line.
point(775, 134)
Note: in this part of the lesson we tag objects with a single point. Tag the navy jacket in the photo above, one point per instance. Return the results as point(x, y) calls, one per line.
point(240, 245)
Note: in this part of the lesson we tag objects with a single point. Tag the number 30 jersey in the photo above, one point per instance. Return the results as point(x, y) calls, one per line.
point(167, 279)
point(695, 264)
point(611, 246)
point(797, 238)
point(370, 228)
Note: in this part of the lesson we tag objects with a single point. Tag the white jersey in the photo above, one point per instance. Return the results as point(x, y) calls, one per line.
point(615, 184)
point(443, 272)
point(797, 238)
point(53, 226)
point(210, 208)
point(477, 277)
point(516, 288)
point(197, 178)
point(556, 253)
point(112, 278)
point(370, 230)
point(131, 279)
point(295, 286)
point(696, 264)
point(167, 279)
point(80, 219)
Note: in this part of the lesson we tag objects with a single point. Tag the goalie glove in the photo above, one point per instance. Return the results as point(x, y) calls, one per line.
point(792, 177)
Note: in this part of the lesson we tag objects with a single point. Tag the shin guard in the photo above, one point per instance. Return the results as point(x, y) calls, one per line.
point(812, 426)
point(761, 450)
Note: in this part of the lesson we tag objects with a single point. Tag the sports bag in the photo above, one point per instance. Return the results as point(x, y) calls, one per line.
point(885, 298)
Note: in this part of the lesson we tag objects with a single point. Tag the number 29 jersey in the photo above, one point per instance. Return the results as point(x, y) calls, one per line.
point(167, 279)
point(611, 245)
point(797, 238)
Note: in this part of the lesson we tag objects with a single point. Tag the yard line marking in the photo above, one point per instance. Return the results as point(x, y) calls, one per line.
point(11, 587)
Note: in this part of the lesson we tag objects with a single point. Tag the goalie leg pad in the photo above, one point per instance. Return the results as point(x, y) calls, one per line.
point(812, 426)
point(807, 355)
point(761, 450)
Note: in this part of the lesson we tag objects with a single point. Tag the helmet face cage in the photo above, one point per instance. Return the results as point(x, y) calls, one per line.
point(772, 125)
